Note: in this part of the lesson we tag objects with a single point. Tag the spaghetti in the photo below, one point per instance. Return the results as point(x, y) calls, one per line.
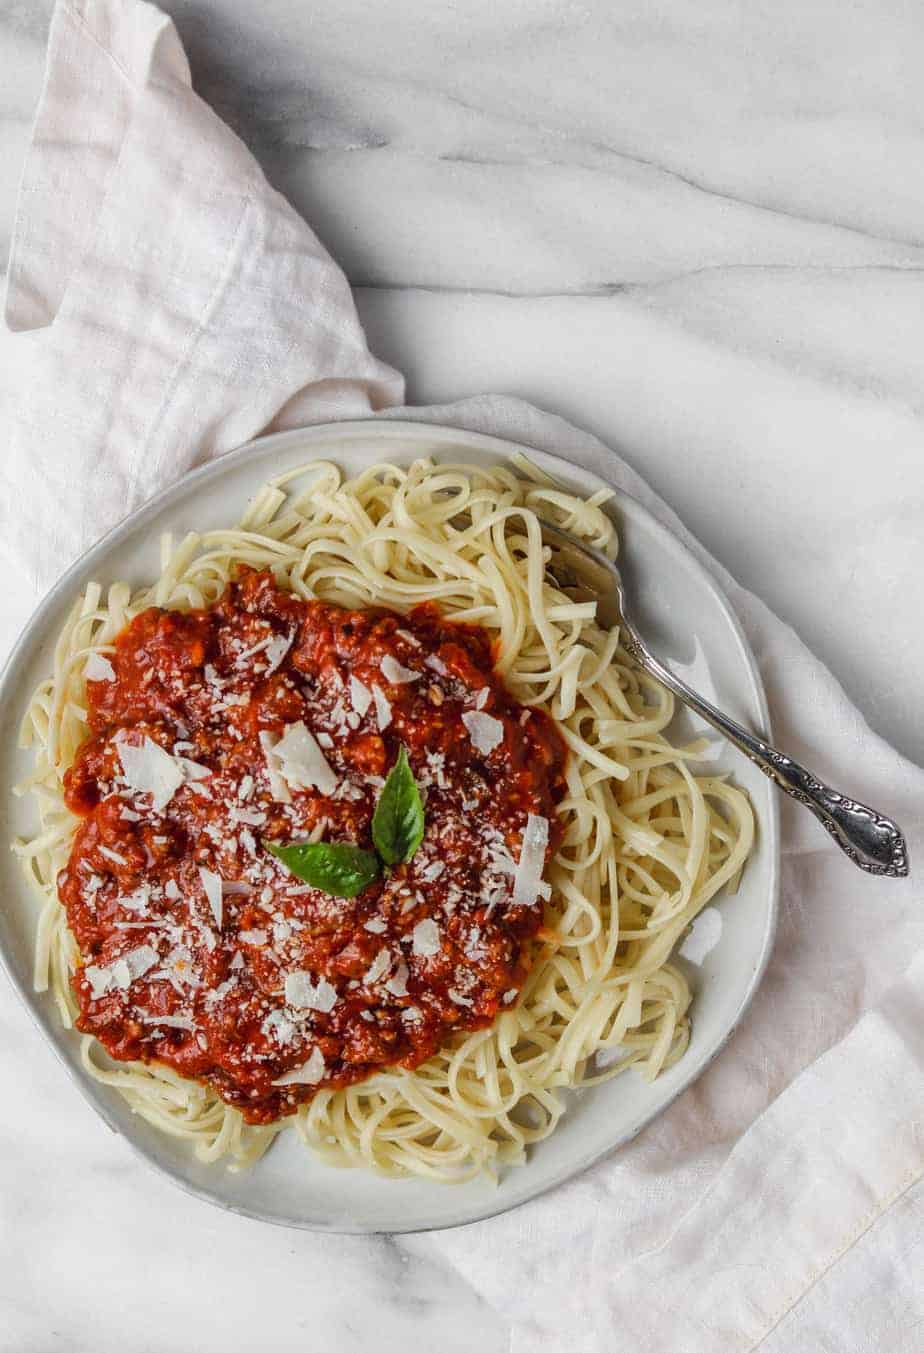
point(644, 841)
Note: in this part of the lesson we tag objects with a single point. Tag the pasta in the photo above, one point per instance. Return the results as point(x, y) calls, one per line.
point(648, 840)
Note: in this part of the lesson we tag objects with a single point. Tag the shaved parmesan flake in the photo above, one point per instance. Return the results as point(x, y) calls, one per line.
point(150, 770)
point(309, 1073)
point(99, 979)
point(245, 788)
point(138, 900)
point(237, 961)
point(376, 926)
point(253, 936)
point(253, 650)
point(302, 762)
point(704, 935)
point(457, 998)
point(112, 855)
point(382, 708)
point(378, 968)
point(436, 665)
point(304, 994)
point(485, 731)
point(528, 878)
point(394, 673)
point(510, 996)
point(276, 650)
point(481, 698)
point(249, 816)
point(171, 1021)
point(171, 890)
point(99, 668)
point(278, 787)
point(193, 770)
point(397, 985)
point(426, 938)
point(360, 696)
point(122, 972)
point(279, 1027)
point(211, 884)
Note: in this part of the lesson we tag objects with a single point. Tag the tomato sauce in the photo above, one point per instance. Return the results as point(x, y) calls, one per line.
point(163, 978)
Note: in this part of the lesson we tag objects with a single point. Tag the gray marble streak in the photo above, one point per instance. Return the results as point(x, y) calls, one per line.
point(596, 145)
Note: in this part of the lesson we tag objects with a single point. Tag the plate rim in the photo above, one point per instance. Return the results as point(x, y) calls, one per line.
point(502, 448)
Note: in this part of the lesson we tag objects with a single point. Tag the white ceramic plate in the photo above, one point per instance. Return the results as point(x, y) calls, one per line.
point(689, 623)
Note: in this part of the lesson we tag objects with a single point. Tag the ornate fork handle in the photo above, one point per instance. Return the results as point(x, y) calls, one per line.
point(874, 843)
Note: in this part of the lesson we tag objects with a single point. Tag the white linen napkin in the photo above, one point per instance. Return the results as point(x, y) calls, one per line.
point(166, 305)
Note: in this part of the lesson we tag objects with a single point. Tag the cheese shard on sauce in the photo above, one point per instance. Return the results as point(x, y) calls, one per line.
point(98, 668)
point(211, 884)
point(394, 673)
point(397, 985)
point(527, 882)
point(171, 1021)
point(309, 1073)
point(150, 770)
point(426, 935)
point(304, 994)
point(122, 972)
point(278, 787)
point(378, 968)
point(276, 650)
point(382, 708)
point(301, 761)
point(193, 770)
point(485, 731)
point(360, 696)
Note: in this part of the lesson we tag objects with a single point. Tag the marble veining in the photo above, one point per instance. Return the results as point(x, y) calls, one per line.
point(694, 229)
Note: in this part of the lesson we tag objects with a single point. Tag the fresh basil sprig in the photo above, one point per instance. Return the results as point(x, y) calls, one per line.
point(343, 870)
point(336, 868)
point(398, 820)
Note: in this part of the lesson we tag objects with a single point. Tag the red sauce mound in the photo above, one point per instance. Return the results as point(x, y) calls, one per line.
point(161, 981)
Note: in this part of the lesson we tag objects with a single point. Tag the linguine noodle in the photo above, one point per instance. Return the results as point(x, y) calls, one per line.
point(647, 840)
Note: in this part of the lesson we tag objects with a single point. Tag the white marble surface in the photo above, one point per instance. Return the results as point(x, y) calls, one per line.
point(695, 229)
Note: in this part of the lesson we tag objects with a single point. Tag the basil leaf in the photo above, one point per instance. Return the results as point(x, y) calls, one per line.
point(340, 870)
point(398, 821)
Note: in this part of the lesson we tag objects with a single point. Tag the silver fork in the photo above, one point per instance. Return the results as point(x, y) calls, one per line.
point(874, 842)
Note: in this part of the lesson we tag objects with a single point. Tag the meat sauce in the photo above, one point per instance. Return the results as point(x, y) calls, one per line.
point(161, 980)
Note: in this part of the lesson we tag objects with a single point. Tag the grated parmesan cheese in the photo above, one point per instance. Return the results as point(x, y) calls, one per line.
point(211, 884)
point(360, 696)
point(485, 731)
point(304, 994)
point(393, 671)
point(426, 938)
point(527, 881)
point(378, 968)
point(302, 761)
point(148, 769)
point(382, 708)
point(397, 985)
point(309, 1073)
point(98, 668)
